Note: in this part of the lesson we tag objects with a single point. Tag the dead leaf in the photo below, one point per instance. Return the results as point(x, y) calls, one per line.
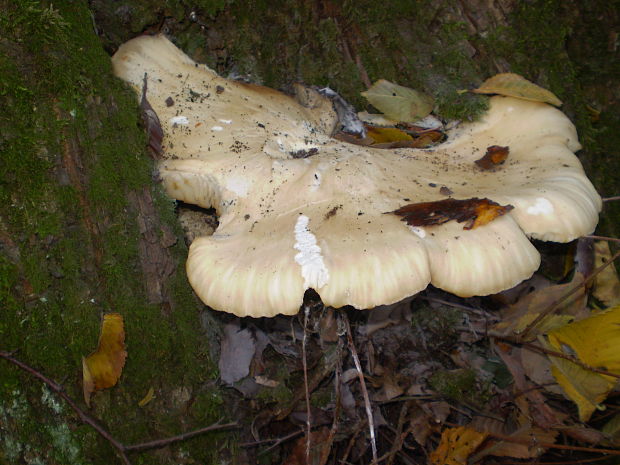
point(237, 350)
point(380, 135)
point(150, 395)
point(456, 445)
point(398, 102)
point(419, 425)
point(496, 155)
point(388, 388)
point(606, 284)
point(519, 315)
point(533, 404)
point(475, 212)
point(516, 450)
point(595, 341)
point(612, 430)
point(319, 449)
point(514, 85)
point(584, 433)
point(102, 368)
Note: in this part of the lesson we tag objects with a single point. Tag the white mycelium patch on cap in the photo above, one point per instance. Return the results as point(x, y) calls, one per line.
point(313, 268)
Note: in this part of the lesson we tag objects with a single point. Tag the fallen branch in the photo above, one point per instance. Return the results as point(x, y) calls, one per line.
point(121, 448)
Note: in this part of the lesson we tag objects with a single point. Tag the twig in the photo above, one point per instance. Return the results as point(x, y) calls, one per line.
point(399, 435)
point(351, 443)
point(534, 347)
point(334, 428)
point(568, 462)
point(121, 448)
point(610, 199)
point(159, 443)
point(450, 304)
point(553, 305)
point(360, 375)
point(602, 238)
point(305, 367)
point(276, 441)
point(548, 445)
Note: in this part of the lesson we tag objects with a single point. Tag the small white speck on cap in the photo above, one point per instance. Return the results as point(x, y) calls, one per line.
point(418, 231)
point(225, 121)
point(179, 120)
point(217, 128)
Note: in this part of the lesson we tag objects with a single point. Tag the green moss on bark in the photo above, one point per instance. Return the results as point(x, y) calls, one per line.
point(72, 151)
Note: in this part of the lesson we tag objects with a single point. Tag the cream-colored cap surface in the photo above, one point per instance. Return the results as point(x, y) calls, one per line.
point(299, 209)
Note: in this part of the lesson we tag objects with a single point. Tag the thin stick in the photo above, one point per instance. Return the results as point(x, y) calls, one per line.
point(554, 353)
point(570, 462)
point(360, 375)
point(159, 443)
point(305, 367)
point(399, 436)
point(277, 441)
point(450, 304)
point(334, 428)
point(610, 199)
point(551, 307)
point(602, 238)
point(549, 445)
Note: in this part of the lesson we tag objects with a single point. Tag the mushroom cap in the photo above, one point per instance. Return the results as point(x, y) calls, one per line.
point(289, 223)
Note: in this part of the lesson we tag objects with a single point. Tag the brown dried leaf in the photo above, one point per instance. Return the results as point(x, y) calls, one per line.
point(319, 449)
point(606, 283)
point(496, 155)
point(514, 85)
point(518, 450)
point(520, 314)
point(103, 368)
point(475, 212)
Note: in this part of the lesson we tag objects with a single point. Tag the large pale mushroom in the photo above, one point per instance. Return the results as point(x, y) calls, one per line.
point(299, 209)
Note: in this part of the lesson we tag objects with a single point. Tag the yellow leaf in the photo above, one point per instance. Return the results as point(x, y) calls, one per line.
point(606, 284)
point(150, 395)
point(595, 341)
point(514, 85)
point(456, 445)
point(102, 368)
point(397, 102)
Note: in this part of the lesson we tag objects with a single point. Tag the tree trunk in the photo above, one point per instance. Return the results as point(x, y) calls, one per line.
point(84, 229)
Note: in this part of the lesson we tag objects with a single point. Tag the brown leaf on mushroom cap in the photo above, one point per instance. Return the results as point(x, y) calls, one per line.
point(475, 212)
point(496, 155)
point(278, 232)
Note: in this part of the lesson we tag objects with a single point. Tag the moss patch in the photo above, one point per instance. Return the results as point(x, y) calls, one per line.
point(73, 150)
